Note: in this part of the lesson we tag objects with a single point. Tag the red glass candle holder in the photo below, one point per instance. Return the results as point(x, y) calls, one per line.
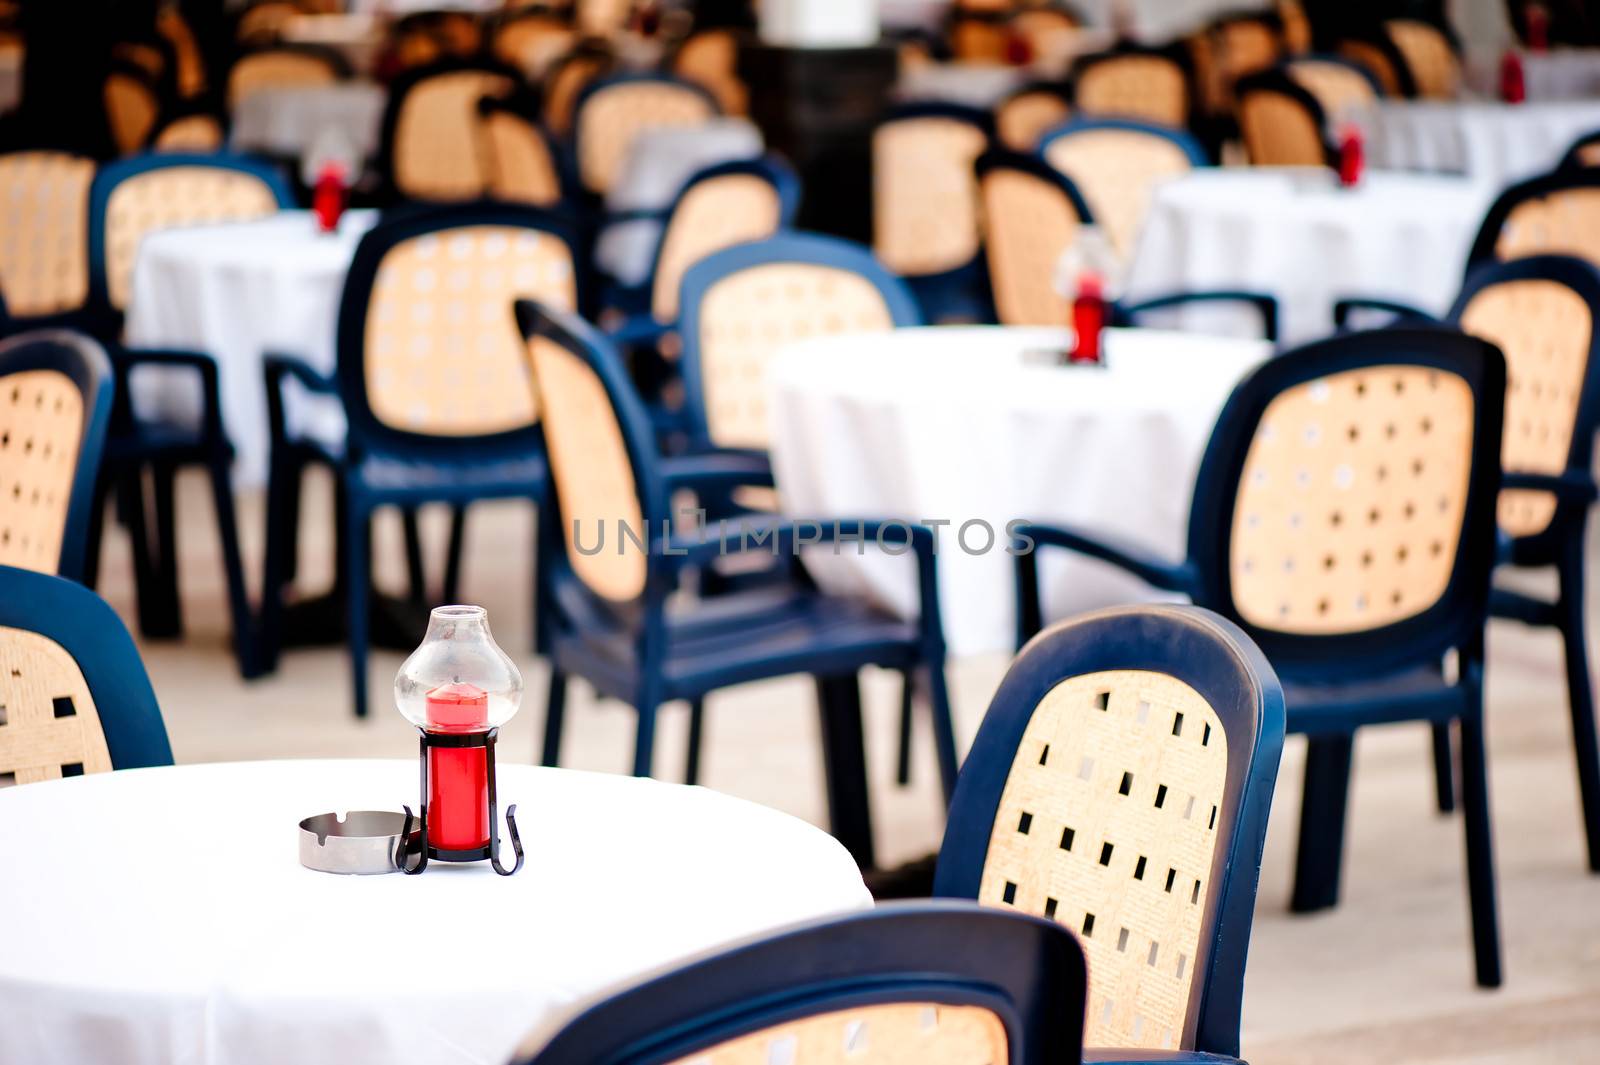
point(1513, 79)
point(328, 197)
point(1352, 156)
point(1088, 319)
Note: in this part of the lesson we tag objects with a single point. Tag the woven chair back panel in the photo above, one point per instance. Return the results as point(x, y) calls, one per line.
point(1351, 500)
point(899, 1033)
point(711, 58)
point(437, 142)
point(174, 196)
point(1023, 119)
point(561, 92)
point(924, 200)
point(716, 213)
point(1589, 154)
point(1563, 222)
point(131, 111)
point(1051, 35)
point(44, 244)
point(41, 427)
point(592, 472)
point(747, 316)
point(1117, 171)
point(1136, 86)
point(602, 18)
point(1545, 331)
point(1336, 88)
point(1030, 223)
point(979, 41)
point(532, 44)
point(444, 356)
point(521, 169)
point(1108, 825)
point(1433, 64)
point(1296, 26)
point(613, 117)
point(1376, 63)
point(192, 133)
point(277, 69)
point(49, 727)
point(1278, 131)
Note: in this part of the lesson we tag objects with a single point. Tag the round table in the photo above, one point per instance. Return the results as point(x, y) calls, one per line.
point(1496, 143)
point(239, 291)
point(980, 85)
point(1301, 237)
point(161, 915)
point(1560, 74)
point(970, 424)
point(341, 121)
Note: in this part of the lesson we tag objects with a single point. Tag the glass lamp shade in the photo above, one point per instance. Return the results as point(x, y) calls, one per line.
point(458, 679)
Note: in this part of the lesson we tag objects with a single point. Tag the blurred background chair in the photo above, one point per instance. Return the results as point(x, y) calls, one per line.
point(1282, 123)
point(431, 147)
point(1584, 153)
point(44, 242)
point(524, 163)
point(1553, 214)
point(1120, 785)
point(611, 111)
point(1408, 57)
point(1143, 84)
point(279, 66)
point(1026, 113)
point(710, 58)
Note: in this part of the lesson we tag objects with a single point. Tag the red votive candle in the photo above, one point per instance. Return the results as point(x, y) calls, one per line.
point(1538, 28)
point(1088, 318)
point(327, 199)
point(1513, 81)
point(458, 777)
point(1352, 157)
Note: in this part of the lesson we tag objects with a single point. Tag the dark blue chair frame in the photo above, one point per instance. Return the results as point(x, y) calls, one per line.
point(135, 445)
point(1029, 972)
point(380, 465)
point(524, 104)
point(383, 162)
point(1216, 658)
point(1573, 159)
point(90, 631)
point(1397, 664)
point(86, 363)
point(626, 651)
point(962, 291)
point(627, 77)
point(1378, 37)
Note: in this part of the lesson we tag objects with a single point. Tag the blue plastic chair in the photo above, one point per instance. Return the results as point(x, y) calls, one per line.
point(914, 205)
point(603, 610)
point(1584, 153)
point(455, 424)
point(648, 97)
point(436, 156)
point(128, 198)
point(1555, 236)
point(1126, 69)
point(1270, 142)
point(1044, 822)
point(934, 982)
point(1290, 537)
point(46, 516)
point(76, 698)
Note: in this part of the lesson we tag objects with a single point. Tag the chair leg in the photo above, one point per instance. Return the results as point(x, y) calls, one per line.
point(452, 562)
point(697, 726)
point(555, 709)
point(416, 579)
point(944, 732)
point(168, 603)
point(1444, 763)
point(844, 756)
point(1480, 852)
point(131, 511)
point(358, 575)
point(244, 639)
point(902, 765)
point(284, 484)
point(1322, 814)
point(1580, 696)
point(94, 540)
point(644, 740)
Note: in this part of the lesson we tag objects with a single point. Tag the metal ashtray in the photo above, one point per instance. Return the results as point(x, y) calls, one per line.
point(364, 842)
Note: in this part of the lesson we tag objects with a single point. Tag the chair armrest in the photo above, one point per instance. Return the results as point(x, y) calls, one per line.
point(1572, 486)
point(1134, 558)
point(1342, 309)
point(717, 470)
point(126, 360)
point(275, 369)
point(634, 214)
point(1265, 305)
point(1129, 1056)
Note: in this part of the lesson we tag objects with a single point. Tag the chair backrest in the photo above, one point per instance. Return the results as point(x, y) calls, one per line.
point(1117, 164)
point(263, 22)
point(978, 37)
point(1032, 213)
point(1339, 86)
point(1542, 313)
point(1050, 31)
point(55, 404)
point(710, 58)
point(1553, 214)
point(936, 983)
point(284, 65)
point(720, 206)
point(429, 354)
point(1430, 66)
point(601, 18)
point(74, 697)
point(1120, 784)
point(1344, 510)
point(44, 243)
point(432, 147)
point(1584, 152)
point(196, 131)
point(424, 38)
point(567, 77)
point(1282, 124)
point(1233, 47)
point(924, 203)
point(133, 105)
point(612, 111)
point(1297, 37)
point(531, 39)
point(525, 165)
point(134, 197)
point(190, 73)
point(1024, 116)
point(739, 306)
point(1144, 84)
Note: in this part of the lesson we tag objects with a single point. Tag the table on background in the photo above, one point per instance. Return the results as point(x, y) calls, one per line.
point(1559, 74)
point(342, 120)
point(161, 915)
point(1496, 143)
point(240, 291)
point(1301, 237)
point(960, 423)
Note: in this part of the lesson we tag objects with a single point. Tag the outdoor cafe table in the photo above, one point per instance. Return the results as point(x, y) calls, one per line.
point(965, 424)
point(1492, 142)
point(162, 915)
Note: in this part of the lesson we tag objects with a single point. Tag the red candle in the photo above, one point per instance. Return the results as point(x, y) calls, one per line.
point(1538, 27)
point(1088, 317)
point(1352, 156)
point(458, 777)
point(327, 199)
point(1513, 84)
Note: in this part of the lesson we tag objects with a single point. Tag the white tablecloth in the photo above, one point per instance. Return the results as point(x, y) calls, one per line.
point(161, 915)
point(980, 85)
point(957, 424)
point(341, 120)
point(238, 292)
point(1562, 74)
point(658, 163)
point(1299, 236)
point(1496, 143)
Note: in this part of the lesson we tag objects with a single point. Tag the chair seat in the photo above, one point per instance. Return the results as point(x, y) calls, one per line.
point(766, 631)
point(394, 476)
point(1421, 694)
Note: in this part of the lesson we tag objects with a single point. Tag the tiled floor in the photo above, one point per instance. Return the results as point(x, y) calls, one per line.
point(1385, 977)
